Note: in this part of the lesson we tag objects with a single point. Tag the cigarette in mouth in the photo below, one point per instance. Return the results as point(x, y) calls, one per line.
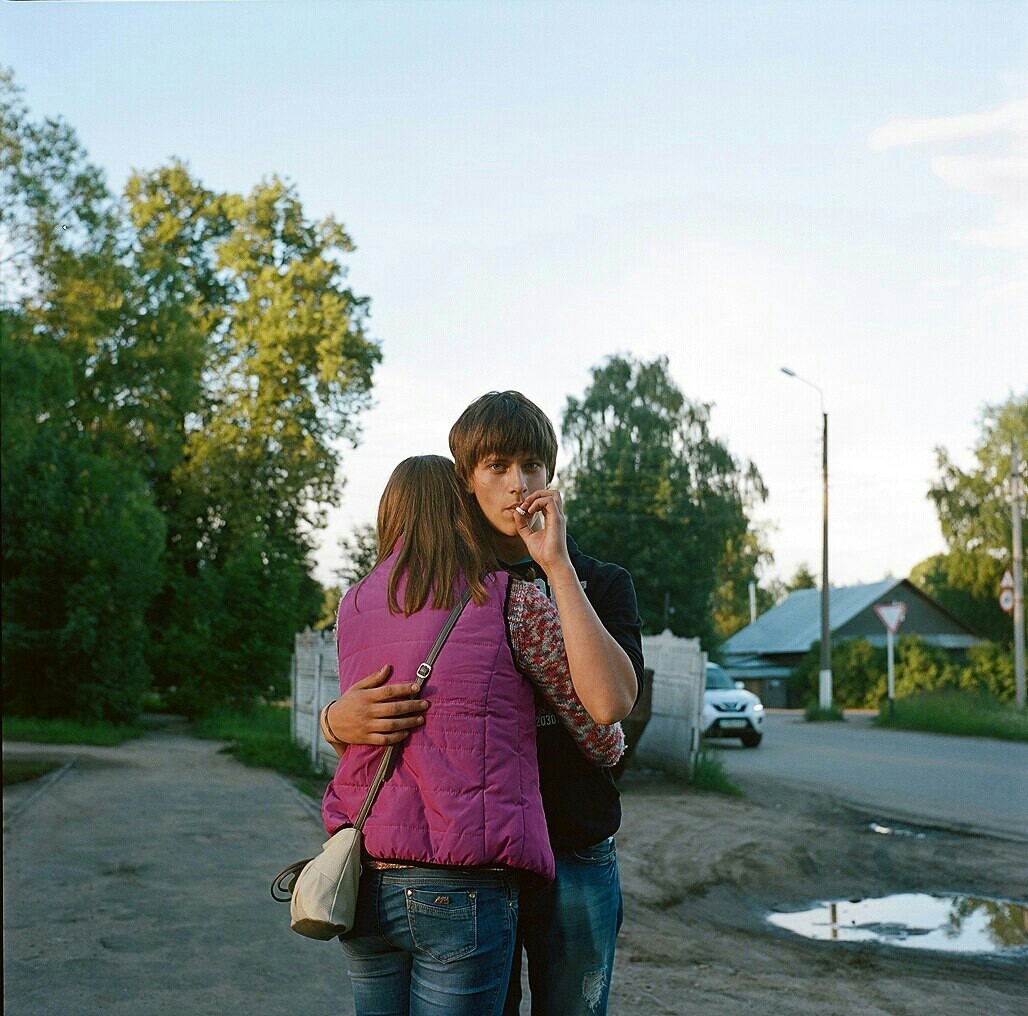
point(520, 510)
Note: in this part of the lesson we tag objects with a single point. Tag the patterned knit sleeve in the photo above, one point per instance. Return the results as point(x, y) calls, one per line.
point(538, 643)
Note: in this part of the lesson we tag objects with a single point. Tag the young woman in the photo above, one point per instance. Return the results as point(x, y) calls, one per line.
point(458, 825)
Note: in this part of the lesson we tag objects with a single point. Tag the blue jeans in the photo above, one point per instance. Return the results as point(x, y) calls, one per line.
point(432, 942)
point(569, 929)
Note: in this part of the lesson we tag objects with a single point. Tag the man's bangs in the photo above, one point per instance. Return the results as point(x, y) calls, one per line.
point(512, 449)
point(516, 438)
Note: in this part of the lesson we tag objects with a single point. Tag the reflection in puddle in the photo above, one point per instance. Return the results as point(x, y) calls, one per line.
point(969, 924)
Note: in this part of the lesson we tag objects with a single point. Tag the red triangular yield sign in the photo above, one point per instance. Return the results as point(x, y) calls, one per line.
point(891, 615)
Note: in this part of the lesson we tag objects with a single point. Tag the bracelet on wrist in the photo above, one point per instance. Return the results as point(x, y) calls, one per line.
point(328, 726)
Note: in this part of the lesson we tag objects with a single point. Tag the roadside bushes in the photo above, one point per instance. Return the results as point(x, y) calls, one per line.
point(857, 670)
point(860, 680)
point(990, 669)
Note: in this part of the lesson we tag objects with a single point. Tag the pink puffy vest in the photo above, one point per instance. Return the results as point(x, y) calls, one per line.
point(464, 789)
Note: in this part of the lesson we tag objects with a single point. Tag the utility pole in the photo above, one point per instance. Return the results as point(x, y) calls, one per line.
point(1015, 483)
point(825, 677)
point(824, 684)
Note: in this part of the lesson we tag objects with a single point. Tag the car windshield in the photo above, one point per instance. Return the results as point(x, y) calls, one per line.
point(718, 679)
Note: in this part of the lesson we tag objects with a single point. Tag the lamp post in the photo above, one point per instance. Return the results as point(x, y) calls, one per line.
point(825, 677)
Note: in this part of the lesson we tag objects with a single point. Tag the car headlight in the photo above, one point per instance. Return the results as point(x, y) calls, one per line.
point(758, 707)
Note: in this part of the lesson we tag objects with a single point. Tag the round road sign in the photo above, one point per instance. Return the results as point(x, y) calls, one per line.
point(1006, 600)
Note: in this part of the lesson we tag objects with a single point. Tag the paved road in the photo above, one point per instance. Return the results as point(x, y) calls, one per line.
point(965, 783)
point(136, 884)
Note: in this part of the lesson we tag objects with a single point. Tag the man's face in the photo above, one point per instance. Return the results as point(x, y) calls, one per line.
point(500, 483)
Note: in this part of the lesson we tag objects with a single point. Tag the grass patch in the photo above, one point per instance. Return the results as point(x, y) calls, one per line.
point(262, 738)
point(957, 712)
point(59, 731)
point(312, 786)
point(708, 773)
point(23, 770)
point(815, 714)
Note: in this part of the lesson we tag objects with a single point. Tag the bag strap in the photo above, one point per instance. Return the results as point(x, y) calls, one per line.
point(422, 675)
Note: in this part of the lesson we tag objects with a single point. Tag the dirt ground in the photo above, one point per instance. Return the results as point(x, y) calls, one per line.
point(132, 839)
point(700, 872)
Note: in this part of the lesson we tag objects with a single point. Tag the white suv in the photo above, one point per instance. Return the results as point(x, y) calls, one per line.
point(729, 711)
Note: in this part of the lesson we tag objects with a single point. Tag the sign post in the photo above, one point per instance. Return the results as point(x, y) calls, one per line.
point(1017, 587)
point(891, 615)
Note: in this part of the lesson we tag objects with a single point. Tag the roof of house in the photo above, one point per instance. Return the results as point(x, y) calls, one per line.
point(749, 665)
point(793, 625)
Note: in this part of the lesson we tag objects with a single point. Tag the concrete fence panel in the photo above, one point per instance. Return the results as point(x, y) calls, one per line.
point(315, 684)
point(672, 736)
point(669, 741)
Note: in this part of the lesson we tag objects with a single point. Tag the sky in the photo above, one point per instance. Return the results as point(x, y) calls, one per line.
point(836, 187)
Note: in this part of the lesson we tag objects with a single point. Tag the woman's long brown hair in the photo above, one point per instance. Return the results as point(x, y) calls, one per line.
point(426, 511)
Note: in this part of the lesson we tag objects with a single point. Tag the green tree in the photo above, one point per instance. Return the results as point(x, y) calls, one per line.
point(359, 550)
point(743, 558)
point(81, 535)
point(649, 485)
point(802, 578)
point(179, 368)
point(68, 268)
point(329, 608)
point(287, 370)
point(974, 511)
point(81, 561)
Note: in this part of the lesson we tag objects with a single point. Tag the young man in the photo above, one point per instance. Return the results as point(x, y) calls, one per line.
point(505, 450)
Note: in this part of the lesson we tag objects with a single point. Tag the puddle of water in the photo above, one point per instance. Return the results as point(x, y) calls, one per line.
point(955, 923)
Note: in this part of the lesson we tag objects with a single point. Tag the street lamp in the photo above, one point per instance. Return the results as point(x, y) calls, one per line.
point(825, 677)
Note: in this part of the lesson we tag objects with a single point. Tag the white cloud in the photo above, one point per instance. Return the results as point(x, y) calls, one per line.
point(1009, 292)
point(1003, 176)
point(1009, 119)
point(1009, 233)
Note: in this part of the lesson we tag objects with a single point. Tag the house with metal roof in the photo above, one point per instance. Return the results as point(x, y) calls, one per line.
point(763, 654)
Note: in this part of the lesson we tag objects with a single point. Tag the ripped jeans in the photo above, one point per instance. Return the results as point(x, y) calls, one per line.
point(568, 930)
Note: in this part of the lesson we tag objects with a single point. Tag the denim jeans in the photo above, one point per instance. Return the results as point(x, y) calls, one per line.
point(569, 929)
point(432, 942)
